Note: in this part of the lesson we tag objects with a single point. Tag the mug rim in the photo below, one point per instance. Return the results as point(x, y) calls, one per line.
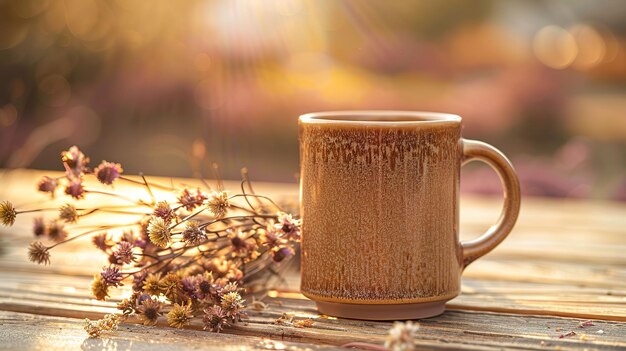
point(379, 118)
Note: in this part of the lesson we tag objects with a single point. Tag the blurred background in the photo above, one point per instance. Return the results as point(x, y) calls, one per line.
point(160, 85)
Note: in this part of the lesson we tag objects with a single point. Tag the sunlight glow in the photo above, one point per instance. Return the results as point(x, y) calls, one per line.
point(555, 47)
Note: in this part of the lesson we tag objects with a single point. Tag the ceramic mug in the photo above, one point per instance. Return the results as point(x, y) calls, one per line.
point(379, 195)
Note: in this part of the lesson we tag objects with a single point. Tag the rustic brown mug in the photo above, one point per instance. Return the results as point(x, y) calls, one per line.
point(379, 195)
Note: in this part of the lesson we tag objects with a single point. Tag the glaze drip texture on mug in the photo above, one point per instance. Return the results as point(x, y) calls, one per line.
point(380, 213)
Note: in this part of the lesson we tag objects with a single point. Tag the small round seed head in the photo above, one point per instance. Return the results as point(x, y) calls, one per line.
point(188, 288)
point(172, 287)
point(232, 303)
point(99, 289)
point(38, 253)
point(39, 226)
point(192, 234)
point(47, 185)
point(75, 189)
point(101, 241)
point(7, 213)
point(241, 244)
point(218, 203)
point(149, 311)
point(271, 237)
point(152, 284)
point(164, 211)
point(56, 231)
point(189, 200)
point(68, 213)
point(138, 280)
point(159, 232)
point(108, 172)
point(111, 276)
point(204, 283)
point(229, 287)
point(124, 253)
point(179, 316)
point(289, 226)
point(215, 318)
point(74, 161)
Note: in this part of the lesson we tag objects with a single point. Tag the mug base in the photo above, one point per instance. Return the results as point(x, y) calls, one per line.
point(382, 312)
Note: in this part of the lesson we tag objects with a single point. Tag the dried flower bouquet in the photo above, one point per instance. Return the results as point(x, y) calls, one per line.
point(186, 259)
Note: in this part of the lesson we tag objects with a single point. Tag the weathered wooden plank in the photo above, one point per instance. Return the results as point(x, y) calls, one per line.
point(19, 331)
point(453, 330)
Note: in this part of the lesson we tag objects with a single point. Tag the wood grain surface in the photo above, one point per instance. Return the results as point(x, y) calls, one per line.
point(564, 263)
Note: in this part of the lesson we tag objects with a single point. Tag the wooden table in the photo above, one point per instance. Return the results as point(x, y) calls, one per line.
point(564, 263)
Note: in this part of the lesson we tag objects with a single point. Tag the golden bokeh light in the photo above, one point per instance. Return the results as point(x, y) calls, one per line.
point(555, 47)
point(590, 44)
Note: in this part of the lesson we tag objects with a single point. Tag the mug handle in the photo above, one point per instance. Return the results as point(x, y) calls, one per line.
point(479, 151)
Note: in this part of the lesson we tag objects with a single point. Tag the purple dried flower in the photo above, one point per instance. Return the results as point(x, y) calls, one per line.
point(56, 231)
point(289, 226)
point(68, 213)
point(281, 253)
point(192, 234)
point(164, 211)
point(228, 288)
point(39, 227)
point(124, 253)
point(47, 185)
point(242, 245)
point(38, 253)
point(215, 318)
point(108, 172)
point(75, 162)
point(112, 259)
point(271, 237)
point(75, 189)
point(190, 201)
point(204, 285)
point(111, 276)
point(101, 241)
point(232, 303)
point(188, 287)
point(149, 311)
point(138, 280)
